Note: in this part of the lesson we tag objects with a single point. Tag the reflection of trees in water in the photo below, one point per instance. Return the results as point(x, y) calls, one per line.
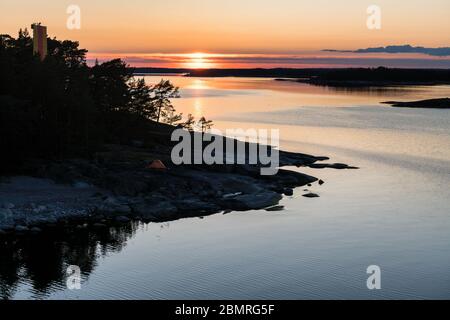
point(42, 260)
point(373, 90)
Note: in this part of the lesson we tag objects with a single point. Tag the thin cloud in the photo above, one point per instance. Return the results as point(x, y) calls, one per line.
point(436, 52)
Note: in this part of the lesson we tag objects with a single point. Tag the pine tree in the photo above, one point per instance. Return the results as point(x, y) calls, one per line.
point(162, 93)
point(205, 124)
point(189, 123)
point(141, 99)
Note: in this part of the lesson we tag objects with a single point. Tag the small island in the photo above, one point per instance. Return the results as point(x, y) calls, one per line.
point(443, 103)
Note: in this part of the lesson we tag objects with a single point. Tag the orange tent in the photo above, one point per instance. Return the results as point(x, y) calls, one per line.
point(157, 165)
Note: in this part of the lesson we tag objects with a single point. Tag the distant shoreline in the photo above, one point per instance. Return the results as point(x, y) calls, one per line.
point(294, 73)
point(222, 73)
point(368, 83)
point(443, 103)
point(345, 77)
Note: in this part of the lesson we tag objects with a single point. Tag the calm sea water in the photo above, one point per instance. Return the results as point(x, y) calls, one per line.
point(394, 212)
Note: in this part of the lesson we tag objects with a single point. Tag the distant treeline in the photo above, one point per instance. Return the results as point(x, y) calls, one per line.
point(380, 76)
point(61, 107)
point(263, 73)
point(318, 76)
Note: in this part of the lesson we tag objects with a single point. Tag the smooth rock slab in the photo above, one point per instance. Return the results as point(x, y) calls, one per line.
point(337, 166)
point(254, 201)
point(275, 209)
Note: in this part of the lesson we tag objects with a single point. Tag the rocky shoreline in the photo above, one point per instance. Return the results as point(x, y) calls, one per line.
point(117, 186)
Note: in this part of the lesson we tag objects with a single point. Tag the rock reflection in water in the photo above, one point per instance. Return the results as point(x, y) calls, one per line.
point(41, 260)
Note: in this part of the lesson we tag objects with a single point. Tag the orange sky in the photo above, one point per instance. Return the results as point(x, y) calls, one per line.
point(233, 26)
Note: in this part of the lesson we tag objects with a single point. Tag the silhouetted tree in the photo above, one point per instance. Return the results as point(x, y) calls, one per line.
point(109, 84)
point(189, 123)
point(163, 92)
point(171, 117)
point(204, 124)
point(141, 101)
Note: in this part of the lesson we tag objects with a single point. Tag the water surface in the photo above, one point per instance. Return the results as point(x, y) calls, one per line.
point(394, 212)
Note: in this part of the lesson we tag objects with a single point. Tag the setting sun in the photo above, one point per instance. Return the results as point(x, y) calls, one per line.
point(198, 60)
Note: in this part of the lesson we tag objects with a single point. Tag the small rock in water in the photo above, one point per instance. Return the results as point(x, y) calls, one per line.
point(321, 182)
point(311, 195)
point(338, 166)
point(275, 209)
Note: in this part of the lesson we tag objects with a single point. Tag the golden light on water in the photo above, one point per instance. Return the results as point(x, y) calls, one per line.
point(199, 84)
point(198, 108)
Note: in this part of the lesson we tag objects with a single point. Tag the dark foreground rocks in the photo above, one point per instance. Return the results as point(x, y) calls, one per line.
point(117, 186)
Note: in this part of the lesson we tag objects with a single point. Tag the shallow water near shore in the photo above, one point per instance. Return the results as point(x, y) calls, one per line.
point(394, 212)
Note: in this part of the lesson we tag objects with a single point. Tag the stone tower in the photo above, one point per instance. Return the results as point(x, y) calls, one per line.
point(39, 40)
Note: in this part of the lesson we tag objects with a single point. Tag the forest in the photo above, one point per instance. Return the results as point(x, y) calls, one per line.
point(62, 107)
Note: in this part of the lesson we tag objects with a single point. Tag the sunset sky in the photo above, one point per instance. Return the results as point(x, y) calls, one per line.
point(241, 33)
